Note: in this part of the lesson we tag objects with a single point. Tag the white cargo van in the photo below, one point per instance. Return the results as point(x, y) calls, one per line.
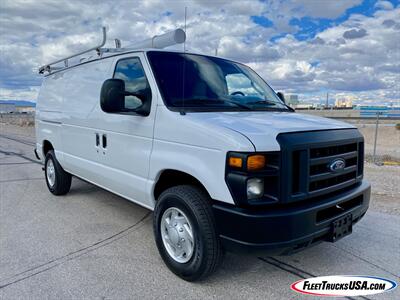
point(204, 142)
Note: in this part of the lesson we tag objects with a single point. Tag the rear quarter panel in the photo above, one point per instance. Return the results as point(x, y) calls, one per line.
point(49, 115)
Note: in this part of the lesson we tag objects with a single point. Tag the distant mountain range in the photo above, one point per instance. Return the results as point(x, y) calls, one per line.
point(18, 102)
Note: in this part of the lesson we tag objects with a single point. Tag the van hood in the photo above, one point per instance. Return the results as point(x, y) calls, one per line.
point(262, 128)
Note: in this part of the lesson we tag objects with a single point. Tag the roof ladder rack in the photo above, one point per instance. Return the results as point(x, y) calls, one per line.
point(174, 37)
point(49, 68)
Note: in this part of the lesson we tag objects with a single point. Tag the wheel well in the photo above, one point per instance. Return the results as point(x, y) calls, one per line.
point(47, 146)
point(170, 178)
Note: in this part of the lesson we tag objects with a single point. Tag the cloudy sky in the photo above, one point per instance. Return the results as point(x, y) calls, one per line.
point(349, 48)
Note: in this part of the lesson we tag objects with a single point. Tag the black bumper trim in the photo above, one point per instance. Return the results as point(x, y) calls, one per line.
point(282, 231)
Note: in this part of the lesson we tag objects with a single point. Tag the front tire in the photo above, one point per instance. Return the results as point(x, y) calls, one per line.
point(185, 233)
point(58, 181)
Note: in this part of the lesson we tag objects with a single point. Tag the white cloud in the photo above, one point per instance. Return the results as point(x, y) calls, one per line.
point(18, 94)
point(359, 56)
point(323, 9)
point(384, 5)
point(235, 48)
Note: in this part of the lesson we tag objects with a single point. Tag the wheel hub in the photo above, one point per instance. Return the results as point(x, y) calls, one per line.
point(50, 172)
point(177, 235)
point(173, 235)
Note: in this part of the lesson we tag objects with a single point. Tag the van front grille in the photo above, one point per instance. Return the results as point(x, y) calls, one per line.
point(309, 159)
point(321, 176)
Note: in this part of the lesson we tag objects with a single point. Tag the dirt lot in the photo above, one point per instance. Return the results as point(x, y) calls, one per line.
point(385, 182)
point(91, 244)
point(388, 142)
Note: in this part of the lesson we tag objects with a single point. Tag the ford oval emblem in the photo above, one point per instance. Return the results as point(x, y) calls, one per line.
point(337, 165)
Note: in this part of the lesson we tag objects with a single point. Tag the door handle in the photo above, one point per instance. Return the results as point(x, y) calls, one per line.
point(97, 140)
point(104, 141)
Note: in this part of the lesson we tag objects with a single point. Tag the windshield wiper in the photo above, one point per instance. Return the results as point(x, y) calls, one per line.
point(236, 103)
point(272, 103)
point(268, 102)
point(211, 101)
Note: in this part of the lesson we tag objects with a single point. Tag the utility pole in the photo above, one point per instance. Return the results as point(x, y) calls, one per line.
point(378, 113)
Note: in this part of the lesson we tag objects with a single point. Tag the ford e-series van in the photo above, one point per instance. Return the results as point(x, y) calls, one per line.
point(207, 145)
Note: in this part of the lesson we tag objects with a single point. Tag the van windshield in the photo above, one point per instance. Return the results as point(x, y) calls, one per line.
point(204, 83)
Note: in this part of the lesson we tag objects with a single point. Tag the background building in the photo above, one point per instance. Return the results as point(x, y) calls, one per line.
point(6, 108)
point(343, 103)
point(16, 106)
point(293, 99)
point(25, 109)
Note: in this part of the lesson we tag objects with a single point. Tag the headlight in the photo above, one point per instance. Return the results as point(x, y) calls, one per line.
point(253, 177)
point(255, 188)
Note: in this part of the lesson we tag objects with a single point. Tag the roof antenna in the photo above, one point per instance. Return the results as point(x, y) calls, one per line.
point(117, 43)
point(184, 43)
point(183, 71)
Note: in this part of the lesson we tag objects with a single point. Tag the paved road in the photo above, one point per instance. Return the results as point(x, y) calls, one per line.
point(93, 244)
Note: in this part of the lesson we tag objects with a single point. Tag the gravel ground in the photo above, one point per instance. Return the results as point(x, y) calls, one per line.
point(385, 182)
point(9, 129)
point(388, 142)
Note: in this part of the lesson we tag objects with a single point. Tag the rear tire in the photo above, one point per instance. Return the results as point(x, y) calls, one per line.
point(58, 181)
point(191, 206)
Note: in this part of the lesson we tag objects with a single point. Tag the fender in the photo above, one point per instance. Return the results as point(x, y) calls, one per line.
point(204, 164)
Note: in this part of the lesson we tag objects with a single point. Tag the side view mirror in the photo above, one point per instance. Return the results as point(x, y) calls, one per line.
point(113, 98)
point(281, 96)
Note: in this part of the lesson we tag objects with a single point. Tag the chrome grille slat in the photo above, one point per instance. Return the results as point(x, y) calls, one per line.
point(332, 188)
point(326, 159)
point(328, 175)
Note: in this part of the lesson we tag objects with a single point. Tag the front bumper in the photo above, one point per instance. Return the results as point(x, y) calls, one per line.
point(288, 228)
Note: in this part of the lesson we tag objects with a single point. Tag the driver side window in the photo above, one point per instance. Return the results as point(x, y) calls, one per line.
point(130, 70)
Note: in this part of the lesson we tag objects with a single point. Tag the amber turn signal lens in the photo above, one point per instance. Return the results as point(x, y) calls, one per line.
point(236, 162)
point(255, 162)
